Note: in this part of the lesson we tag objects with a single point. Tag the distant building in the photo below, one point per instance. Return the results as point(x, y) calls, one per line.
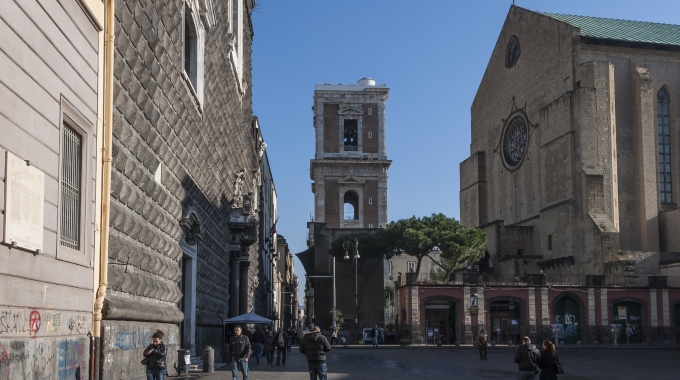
point(265, 295)
point(288, 307)
point(349, 171)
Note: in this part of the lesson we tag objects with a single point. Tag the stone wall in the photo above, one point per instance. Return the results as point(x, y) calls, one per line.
point(173, 154)
point(123, 344)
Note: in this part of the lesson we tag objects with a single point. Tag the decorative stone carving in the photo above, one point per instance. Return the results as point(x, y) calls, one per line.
point(238, 188)
point(191, 225)
point(231, 42)
point(262, 148)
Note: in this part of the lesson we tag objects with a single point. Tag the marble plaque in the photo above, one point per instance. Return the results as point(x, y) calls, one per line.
point(24, 204)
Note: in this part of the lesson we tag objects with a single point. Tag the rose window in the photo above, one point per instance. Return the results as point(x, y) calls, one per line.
point(515, 141)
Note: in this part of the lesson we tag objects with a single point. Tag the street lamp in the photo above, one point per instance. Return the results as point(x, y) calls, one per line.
point(348, 245)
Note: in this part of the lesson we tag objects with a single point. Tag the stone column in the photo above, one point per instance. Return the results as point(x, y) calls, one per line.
point(234, 282)
point(243, 291)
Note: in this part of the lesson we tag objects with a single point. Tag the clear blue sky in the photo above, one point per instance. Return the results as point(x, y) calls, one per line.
point(431, 53)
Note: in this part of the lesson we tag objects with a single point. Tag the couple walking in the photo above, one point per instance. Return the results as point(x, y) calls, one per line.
point(529, 360)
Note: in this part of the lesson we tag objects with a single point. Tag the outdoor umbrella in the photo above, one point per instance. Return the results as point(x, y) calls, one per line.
point(249, 318)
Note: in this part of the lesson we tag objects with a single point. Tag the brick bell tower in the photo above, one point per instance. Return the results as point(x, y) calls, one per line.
point(350, 166)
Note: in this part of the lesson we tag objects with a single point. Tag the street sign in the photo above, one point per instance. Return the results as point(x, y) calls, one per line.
point(623, 314)
point(474, 310)
point(474, 301)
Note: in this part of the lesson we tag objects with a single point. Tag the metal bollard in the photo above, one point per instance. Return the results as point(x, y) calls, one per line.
point(183, 361)
point(209, 360)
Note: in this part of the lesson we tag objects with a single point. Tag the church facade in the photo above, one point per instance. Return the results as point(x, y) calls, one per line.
point(574, 166)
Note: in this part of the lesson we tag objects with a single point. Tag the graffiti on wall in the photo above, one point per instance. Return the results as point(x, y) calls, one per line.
point(44, 358)
point(20, 322)
point(570, 325)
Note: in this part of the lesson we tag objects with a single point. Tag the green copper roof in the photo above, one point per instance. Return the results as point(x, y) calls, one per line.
point(622, 30)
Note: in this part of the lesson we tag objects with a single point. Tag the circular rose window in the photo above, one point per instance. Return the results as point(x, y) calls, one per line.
point(515, 141)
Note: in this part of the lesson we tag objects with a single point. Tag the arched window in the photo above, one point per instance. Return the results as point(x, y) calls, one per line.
point(664, 131)
point(351, 206)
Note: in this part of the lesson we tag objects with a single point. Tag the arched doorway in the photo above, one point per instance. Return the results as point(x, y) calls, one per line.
point(632, 324)
point(566, 312)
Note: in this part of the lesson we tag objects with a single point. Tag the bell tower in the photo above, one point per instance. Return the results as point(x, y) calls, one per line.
point(349, 170)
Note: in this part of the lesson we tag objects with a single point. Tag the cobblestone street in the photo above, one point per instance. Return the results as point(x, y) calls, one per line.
point(418, 363)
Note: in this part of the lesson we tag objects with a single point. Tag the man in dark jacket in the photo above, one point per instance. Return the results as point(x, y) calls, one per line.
point(258, 343)
point(527, 358)
point(315, 346)
point(239, 349)
point(281, 339)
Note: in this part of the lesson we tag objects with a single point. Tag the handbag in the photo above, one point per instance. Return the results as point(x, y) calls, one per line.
point(558, 364)
point(146, 360)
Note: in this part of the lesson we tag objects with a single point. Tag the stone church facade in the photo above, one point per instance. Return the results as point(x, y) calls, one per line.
point(574, 160)
point(185, 181)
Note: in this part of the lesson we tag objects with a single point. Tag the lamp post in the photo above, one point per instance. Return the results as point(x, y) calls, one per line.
point(348, 245)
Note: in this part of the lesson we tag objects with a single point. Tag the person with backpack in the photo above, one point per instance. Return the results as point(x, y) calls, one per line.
point(258, 343)
point(281, 339)
point(154, 357)
point(527, 358)
point(314, 346)
point(550, 363)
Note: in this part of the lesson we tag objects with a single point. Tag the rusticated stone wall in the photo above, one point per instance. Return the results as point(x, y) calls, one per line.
point(172, 153)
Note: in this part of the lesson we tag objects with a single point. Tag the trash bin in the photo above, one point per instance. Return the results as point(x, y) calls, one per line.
point(183, 361)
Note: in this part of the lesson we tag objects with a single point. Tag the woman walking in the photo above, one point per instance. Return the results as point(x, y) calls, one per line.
point(154, 357)
point(548, 362)
point(270, 347)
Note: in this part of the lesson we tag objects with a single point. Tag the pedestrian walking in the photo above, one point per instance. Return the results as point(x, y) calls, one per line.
point(314, 346)
point(482, 343)
point(258, 343)
point(249, 333)
point(549, 362)
point(270, 347)
point(154, 357)
point(334, 336)
point(281, 338)
point(375, 335)
point(289, 341)
point(527, 357)
point(239, 349)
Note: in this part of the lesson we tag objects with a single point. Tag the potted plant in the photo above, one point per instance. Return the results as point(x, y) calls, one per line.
point(405, 336)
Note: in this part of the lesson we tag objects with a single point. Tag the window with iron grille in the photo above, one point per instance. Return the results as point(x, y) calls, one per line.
point(664, 131)
point(71, 187)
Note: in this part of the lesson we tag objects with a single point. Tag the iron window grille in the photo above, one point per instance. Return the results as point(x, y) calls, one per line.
point(71, 188)
point(664, 131)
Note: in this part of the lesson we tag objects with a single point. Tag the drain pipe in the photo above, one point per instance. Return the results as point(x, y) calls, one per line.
point(106, 183)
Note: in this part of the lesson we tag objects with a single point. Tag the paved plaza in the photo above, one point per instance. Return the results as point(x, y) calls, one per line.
point(464, 363)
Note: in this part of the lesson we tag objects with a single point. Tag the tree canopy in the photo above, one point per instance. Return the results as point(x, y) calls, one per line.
point(418, 237)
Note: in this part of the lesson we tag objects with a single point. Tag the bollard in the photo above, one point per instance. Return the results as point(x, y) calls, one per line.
point(493, 343)
point(578, 343)
point(183, 361)
point(209, 360)
point(457, 343)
